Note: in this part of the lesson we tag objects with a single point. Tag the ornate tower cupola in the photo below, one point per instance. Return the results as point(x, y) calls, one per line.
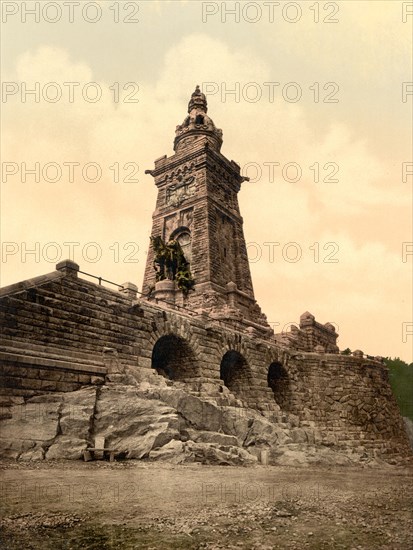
point(197, 124)
point(197, 215)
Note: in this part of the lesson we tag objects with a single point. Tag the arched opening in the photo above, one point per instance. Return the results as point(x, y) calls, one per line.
point(279, 382)
point(173, 358)
point(183, 236)
point(234, 372)
point(199, 119)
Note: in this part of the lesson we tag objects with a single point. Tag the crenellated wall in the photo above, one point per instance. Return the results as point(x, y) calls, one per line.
point(311, 336)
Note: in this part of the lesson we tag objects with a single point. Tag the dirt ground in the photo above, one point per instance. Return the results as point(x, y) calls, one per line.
point(133, 505)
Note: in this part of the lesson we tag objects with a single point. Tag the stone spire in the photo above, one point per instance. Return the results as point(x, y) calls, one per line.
point(198, 101)
point(197, 206)
point(197, 126)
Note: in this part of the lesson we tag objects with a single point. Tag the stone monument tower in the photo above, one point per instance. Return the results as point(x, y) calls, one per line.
point(197, 206)
point(235, 389)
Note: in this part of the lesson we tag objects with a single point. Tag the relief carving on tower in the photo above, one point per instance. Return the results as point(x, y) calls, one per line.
point(170, 224)
point(186, 217)
point(182, 219)
point(180, 191)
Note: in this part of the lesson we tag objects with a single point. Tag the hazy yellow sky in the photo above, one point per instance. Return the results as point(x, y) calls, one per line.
point(311, 100)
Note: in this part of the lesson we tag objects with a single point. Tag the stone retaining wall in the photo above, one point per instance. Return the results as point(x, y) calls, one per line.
point(62, 332)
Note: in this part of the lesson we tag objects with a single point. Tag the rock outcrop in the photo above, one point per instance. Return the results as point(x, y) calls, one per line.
point(159, 420)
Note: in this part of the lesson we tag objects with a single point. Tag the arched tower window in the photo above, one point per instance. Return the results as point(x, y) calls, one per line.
point(183, 236)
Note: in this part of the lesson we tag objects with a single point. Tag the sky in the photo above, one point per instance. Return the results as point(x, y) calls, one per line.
point(315, 103)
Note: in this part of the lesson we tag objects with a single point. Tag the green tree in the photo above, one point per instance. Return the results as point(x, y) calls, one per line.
point(401, 380)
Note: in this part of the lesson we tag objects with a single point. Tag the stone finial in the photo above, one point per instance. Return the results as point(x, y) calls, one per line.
point(68, 267)
point(129, 290)
point(198, 101)
point(330, 326)
point(307, 315)
point(307, 319)
point(358, 353)
point(197, 124)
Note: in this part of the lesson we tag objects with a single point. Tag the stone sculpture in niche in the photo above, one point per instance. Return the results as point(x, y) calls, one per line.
point(170, 263)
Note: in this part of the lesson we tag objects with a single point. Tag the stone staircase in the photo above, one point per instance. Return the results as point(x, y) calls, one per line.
point(28, 369)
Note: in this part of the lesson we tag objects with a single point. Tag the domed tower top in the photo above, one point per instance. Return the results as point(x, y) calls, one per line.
point(197, 126)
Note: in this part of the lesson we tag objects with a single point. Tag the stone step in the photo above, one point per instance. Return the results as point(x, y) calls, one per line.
point(51, 362)
point(23, 347)
point(18, 392)
point(10, 400)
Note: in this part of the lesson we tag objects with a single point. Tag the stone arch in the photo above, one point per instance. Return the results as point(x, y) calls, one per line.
point(183, 235)
point(165, 323)
point(235, 342)
point(278, 380)
point(235, 372)
point(174, 358)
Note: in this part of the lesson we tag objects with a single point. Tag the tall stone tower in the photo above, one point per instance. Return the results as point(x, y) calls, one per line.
point(197, 205)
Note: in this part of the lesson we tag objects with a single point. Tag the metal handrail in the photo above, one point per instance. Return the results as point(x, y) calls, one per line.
point(219, 322)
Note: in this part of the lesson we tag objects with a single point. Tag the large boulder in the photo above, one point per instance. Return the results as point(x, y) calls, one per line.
point(75, 424)
point(178, 452)
point(207, 453)
point(77, 412)
point(237, 422)
point(133, 425)
point(173, 452)
point(68, 447)
point(49, 426)
point(21, 449)
point(29, 428)
point(197, 412)
point(215, 438)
